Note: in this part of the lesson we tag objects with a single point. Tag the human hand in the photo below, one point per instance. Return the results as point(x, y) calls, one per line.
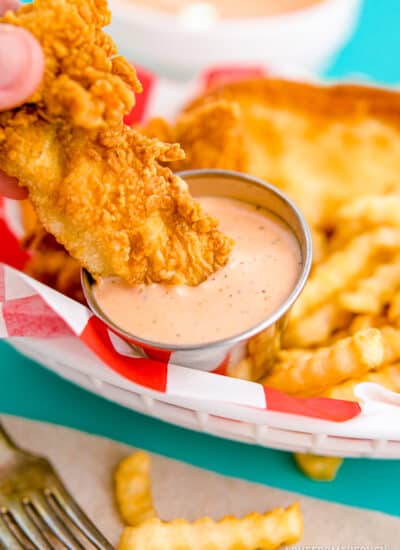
point(21, 71)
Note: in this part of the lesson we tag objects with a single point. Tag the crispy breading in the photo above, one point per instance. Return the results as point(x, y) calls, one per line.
point(314, 142)
point(211, 136)
point(85, 83)
point(96, 184)
point(111, 205)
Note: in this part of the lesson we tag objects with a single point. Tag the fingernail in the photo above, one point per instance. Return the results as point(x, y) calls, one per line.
point(13, 56)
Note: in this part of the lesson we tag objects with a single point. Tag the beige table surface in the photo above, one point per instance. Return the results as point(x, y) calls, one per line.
point(86, 463)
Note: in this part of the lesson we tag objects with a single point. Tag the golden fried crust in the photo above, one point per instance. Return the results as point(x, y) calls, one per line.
point(83, 84)
point(211, 135)
point(97, 185)
point(314, 142)
point(331, 102)
point(111, 204)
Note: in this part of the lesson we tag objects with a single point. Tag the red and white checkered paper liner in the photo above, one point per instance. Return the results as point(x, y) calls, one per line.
point(30, 310)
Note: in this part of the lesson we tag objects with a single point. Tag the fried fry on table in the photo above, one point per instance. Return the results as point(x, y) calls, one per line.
point(255, 531)
point(133, 489)
point(319, 468)
point(96, 184)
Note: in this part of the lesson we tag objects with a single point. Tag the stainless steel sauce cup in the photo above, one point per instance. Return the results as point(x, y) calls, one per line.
point(260, 342)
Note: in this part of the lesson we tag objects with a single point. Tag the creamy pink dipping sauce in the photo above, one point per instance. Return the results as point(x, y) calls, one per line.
point(261, 273)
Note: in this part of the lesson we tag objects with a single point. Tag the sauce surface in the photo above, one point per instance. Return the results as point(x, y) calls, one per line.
point(229, 9)
point(261, 273)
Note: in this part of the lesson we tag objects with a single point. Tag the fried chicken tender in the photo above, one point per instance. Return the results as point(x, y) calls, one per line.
point(86, 83)
point(211, 136)
point(314, 142)
point(98, 186)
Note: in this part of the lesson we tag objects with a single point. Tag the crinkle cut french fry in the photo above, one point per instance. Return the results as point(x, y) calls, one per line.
point(336, 336)
point(244, 370)
point(342, 268)
point(317, 327)
point(394, 307)
point(389, 377)
point(361, 322)
point(325, 367)
point(320, 245)
point(263, 348)
point(133, 488)
point(373, 210)
point(391, 343)
point(343, 234)
point(255, 531)
point(372, 293)
point(319, 468)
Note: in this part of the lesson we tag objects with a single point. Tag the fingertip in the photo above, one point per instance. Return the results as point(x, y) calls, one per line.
point(21, 65)
point(7, 5)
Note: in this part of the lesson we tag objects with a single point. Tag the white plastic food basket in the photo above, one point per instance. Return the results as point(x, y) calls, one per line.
point(66, 338)
point(375, 433)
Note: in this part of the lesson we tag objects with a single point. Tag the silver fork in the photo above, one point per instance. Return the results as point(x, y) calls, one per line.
point(36, 510)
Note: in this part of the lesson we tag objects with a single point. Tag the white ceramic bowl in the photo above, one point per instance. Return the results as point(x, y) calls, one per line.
point(179, 47)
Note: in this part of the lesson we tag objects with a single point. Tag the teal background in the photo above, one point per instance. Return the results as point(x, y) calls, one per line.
point(28, 390)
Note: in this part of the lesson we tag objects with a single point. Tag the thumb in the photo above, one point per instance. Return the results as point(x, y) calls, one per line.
point(21, 65)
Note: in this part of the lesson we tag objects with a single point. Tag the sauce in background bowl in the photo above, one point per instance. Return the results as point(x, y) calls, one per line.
point(178, 40)
point(229, 9)
point(258, 204)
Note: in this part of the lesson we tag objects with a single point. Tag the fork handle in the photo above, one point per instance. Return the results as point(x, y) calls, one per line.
point(5, 439)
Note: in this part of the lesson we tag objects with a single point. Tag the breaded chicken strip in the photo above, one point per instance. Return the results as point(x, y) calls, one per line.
point(97, 185)
point(317, 143)
point(212, 136)
point(86, 83)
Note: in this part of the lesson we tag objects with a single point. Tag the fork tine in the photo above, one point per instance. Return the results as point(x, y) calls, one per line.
point(28, 528)
point(69, 507)
point(7, 537)
point(53, 523)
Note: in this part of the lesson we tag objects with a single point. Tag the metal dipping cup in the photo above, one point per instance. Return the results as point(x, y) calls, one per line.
point(260, 342)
